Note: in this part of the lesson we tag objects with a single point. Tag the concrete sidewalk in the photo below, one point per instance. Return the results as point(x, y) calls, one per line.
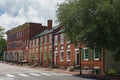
point(58, 70)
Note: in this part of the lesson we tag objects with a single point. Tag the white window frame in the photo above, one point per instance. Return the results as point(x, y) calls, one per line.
point(33, 43)
point(68, 56)
point(50, 38)
point(41, 41)
point(45, 53)
point(95, 55)
point(36, 50)
point(40, 49)
point(56, 40)
point(68, 46)
point(62, 57)
point(56, 48)
point(86, 59)
point(50, 53)
point(37, 40)
point(45, 39)
point(61, 38)
point(62, 47)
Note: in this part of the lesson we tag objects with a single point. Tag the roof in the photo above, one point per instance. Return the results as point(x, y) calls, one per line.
point(47, 31)
point(60, 31)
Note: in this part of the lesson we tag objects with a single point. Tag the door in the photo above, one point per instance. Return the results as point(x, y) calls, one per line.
point(78, 59)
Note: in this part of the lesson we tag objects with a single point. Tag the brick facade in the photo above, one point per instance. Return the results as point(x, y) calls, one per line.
point(49, 46)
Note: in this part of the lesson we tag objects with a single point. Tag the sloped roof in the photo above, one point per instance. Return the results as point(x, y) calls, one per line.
point(60, 31)
point(47, 31)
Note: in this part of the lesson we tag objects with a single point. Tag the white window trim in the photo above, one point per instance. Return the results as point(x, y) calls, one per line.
point(41, 41)
point(56, 40)
point(94, 56)
point(50, 38)
point(84, 54)
point(68, 41)
point(61, 47)
point(60, 56)
point(67, 55)
point(68, 46)
point(62, 38)
point(96, 67)
point(45, 55)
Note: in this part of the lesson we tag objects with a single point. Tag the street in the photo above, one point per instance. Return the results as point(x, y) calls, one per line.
point(13, 72)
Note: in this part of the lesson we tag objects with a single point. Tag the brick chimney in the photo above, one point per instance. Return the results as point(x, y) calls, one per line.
point(49, 24)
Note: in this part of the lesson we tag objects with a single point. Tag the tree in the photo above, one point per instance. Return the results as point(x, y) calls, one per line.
point(2, 42)
point(92, 22)
point(2, 31)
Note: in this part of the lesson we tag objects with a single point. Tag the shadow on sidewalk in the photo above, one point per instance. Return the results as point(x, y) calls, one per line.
point(98, 77)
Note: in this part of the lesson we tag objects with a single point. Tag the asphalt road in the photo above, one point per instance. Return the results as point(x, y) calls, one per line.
point(12, 72)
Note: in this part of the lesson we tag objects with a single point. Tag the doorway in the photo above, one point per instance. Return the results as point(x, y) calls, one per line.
point(77, 57)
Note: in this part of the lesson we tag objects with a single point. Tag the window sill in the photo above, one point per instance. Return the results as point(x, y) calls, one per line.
point(68, 60)
point(97, 59)
point(85, 59)
point(61, 60)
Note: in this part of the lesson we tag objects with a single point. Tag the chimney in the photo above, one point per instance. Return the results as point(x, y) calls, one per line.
point(49, 24)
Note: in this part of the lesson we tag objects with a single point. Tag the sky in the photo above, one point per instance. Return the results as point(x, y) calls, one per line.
point(16, 12)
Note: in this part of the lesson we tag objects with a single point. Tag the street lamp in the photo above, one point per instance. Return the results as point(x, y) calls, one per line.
point(80, 49)
point(80, 52)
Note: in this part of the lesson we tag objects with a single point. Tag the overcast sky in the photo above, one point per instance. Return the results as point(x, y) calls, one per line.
point(17, 12)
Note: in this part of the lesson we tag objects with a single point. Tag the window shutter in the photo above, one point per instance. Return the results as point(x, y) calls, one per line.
point(93, 51)
point(82, 54)
point(99, 71)
point(88, 53)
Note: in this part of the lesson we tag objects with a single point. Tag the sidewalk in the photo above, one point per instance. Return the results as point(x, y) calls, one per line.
point(58, 70)
point(73, 73)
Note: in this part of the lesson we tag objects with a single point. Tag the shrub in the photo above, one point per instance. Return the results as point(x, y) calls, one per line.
point(111, 72)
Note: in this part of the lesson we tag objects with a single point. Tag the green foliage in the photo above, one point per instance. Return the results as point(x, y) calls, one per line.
point(2, 31)
point(48, 58)
point(111, 72)
point(32, 57)
point(92, 22)
point(2, 47)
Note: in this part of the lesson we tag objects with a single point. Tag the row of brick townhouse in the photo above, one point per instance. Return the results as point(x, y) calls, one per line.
point(48, 45)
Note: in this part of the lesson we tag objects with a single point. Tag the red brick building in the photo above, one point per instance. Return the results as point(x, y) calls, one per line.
point(65, 54)
point(48, 45)
point(18, 40)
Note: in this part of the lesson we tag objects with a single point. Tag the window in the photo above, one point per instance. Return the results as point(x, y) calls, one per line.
point(41, 41)
point(45, 39)
point(33, 43)
point(36, 50)
point(61, 56)
point(45, 54)
point(62, 47)
point(50, 46)
point(56, 39)
point(30, 44)
point(61, 38)
point(45, 48)
point(37, 41)
point(68, 46)
point(40, 49)
point(56, 48)
point(85, 54)
point(50, 38)
point(50, 53)
point(96, 54)
point(68, 55)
